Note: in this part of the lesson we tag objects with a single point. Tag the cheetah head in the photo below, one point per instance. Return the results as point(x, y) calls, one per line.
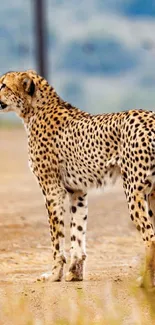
point(17, 92)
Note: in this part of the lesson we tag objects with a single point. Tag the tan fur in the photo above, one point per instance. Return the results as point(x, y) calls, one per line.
point(71, 151)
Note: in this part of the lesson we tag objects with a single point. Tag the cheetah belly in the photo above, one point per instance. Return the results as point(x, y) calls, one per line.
point(80, 176)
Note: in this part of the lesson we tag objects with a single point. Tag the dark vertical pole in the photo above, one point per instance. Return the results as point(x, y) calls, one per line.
point(40, 35)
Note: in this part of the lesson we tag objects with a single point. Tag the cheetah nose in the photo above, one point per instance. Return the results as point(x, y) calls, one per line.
point(2, 105)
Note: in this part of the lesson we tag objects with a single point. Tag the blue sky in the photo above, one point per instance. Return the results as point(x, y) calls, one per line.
point(101, 53)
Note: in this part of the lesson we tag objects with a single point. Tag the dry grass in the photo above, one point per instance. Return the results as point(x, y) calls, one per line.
point(16, 309)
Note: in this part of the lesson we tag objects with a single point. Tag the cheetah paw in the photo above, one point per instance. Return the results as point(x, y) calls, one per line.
point(76, 269)
point(49, 276)
point(70, 276)
point(140, 282)
point(146, 282)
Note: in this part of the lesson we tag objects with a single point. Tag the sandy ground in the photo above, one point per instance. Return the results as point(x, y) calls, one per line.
point(113, 245)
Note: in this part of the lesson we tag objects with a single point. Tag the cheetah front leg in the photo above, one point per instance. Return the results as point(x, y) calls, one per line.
point(54, 198)
point(151, 202)
point(79, 211)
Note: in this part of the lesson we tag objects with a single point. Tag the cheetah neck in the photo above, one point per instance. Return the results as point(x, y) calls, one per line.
point(45, 98)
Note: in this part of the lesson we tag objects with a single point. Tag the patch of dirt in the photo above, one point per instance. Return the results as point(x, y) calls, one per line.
point(113, 245)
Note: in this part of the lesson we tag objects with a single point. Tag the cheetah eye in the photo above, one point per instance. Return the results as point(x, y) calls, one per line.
point(3, 86)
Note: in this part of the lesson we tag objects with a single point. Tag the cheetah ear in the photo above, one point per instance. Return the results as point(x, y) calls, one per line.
point(29, 86)
point(31, 71)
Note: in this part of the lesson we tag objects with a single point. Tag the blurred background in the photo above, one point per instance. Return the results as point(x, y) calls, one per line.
point(98, 54)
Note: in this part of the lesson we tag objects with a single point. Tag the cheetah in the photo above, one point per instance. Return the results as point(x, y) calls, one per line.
point(70, 151)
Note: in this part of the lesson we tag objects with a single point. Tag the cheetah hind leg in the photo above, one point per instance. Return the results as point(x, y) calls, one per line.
point(148, 278)
point(142, 216)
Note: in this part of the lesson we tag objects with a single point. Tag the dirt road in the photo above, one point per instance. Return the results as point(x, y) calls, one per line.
point(113, 245)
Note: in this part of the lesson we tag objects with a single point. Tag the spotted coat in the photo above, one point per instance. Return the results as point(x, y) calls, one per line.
point(71, 151)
